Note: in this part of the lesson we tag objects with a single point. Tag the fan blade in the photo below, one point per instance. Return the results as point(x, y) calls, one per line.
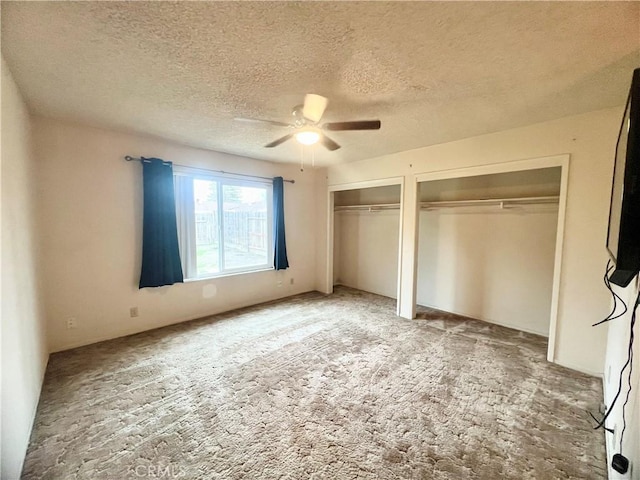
point(328, 143)
point(314, 106)
point(260, 120)
point(277, 142)
point(357, 125)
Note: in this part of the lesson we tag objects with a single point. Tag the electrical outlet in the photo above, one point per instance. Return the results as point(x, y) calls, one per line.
point(71, 323)
point(133, 312)
point(279, 284)
point(291, 281)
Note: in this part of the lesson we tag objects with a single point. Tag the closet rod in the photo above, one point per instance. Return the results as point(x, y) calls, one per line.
point(492, 201)
point(370, 207)
point(129, 158)
point(455, 203)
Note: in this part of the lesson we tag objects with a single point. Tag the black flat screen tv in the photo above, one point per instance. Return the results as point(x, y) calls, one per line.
point(623, 237)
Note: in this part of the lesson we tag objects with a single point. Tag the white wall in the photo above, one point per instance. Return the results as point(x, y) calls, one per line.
point(590, 140)
point(491, 264)
point(616, 356)
point(24, 351)
point(366, 251)
point(92, 217)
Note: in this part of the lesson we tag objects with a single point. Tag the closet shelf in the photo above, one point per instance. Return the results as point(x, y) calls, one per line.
point(367, 207)
point(500, 202)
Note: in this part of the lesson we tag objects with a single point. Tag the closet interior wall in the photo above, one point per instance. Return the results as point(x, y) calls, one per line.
point(492, 262)
point(366, 240)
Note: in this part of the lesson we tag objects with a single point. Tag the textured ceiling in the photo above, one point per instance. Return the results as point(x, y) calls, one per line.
point(432, 72)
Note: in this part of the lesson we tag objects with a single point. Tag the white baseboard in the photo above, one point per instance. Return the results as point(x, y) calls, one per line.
point(133, 331)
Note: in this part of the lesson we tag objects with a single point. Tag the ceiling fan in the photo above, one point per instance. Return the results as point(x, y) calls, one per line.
point(306, 127)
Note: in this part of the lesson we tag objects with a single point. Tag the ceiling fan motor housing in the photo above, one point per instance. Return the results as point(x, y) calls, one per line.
point(299, 120)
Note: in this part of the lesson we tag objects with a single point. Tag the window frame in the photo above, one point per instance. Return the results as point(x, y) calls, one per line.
point(221, 181)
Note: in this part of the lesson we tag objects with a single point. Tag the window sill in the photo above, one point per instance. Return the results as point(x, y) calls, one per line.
point(229, 274)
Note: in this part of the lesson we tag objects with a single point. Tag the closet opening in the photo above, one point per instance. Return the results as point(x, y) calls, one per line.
point(366, 238)
point(487, 247)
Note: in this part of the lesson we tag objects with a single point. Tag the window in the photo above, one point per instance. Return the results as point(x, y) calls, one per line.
point(224, 225)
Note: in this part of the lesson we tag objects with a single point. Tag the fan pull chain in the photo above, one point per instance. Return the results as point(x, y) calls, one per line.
point(313, 156)
point(301, 158)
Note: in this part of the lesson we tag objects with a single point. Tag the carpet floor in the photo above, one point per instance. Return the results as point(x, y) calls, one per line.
point(322, 387)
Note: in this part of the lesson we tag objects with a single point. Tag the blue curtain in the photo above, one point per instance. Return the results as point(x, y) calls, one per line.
point(160, 253)
point(280, 261)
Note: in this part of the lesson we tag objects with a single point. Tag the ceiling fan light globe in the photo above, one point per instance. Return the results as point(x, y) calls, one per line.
point(307, 137)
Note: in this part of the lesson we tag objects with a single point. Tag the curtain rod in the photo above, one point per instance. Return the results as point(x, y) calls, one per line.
point(129, 158)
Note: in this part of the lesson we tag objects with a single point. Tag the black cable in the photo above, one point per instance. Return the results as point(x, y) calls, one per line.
point(630, 361)
point(614, 295)
point(616, 298)
point(615, 399)
point(608, 318)
point(610, 430)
